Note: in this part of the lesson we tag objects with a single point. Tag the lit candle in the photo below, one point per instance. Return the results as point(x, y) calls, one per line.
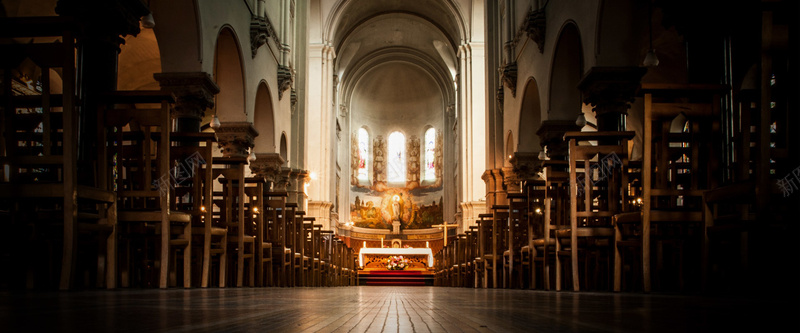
point(365, 244)
point(381, 242)
point(427, 244)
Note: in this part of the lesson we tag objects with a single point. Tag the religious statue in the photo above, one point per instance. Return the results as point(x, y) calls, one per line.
point(396, 208)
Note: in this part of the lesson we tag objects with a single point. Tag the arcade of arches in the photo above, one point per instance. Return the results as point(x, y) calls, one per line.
point(640, 146)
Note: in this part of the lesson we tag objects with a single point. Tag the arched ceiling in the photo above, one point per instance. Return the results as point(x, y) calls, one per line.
point(424, 32)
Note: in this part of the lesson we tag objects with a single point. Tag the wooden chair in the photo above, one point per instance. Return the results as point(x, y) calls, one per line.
point(317, 255)
point(40, 187)
point(328, 266)
point(229, 212)
point(297, 239)
point(494, 245)
point(556, 212)
point(517, 239)
point(534, 192)
point(275, 208)
point(308, 244)
point(594, 198)
point(263, 246)
point(679, 165)
point(191, 161)
point(484, 224)
point(139, 140)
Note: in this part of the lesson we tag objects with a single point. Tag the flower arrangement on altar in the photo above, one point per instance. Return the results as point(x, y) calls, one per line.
point(396, 263)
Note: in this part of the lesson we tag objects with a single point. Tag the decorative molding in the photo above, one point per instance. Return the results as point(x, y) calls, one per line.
point(293, 99)
point(534, 24)
point(194, 92)
point(379, 164)
point(267, 166)
point(412, 162)
point(260, 30)
point(508, 73)
point(439, 159)
point(500, 97)
point(236, 138)
point(354, 158)
point(285, 79)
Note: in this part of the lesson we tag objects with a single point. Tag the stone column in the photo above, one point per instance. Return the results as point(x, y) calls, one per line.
point(194, 93)
point(236, 138)
point(551, 135)
point(610, 90)
point(268, 167)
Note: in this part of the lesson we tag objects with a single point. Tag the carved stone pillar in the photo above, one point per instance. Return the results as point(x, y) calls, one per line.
point(488, 178)
point(610, 90)
point(194, 93)
point(236, 138)
point(551, 135)
point(268, 166)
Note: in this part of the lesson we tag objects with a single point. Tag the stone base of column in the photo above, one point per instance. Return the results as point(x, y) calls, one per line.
point(470, 211)
point(321, 211)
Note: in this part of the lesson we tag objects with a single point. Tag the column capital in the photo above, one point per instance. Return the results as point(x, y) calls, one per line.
point(194, 92)
point(611, 89)
point(236, 138)
point(551, 134)
point(525, 166)
point(268, 166)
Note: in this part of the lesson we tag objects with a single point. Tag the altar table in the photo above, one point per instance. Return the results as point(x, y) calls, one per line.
point(419, 256)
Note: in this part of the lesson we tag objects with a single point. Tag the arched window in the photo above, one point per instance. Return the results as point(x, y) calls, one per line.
point(396, 159)
point(429, 171)
point(363, 154)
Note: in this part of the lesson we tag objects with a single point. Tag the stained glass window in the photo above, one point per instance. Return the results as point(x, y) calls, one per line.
point(396, 164)
point(430, 155)
point(363, 154)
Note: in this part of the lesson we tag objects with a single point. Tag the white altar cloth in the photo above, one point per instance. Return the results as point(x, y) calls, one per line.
point(395, 252)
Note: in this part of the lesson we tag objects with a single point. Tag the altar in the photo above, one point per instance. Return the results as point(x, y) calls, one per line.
point(375, 258)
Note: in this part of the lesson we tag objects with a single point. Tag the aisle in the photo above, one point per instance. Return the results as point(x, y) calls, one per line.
point(384, 309)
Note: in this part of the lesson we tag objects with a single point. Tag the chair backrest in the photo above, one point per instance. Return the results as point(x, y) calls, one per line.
point(137, 136)
point(518, 222)
point(275, 218)
point(597, 174)
point(680, 153)
point(191, 171)
point(486, 234)
point(40, 124)
point(230, 201)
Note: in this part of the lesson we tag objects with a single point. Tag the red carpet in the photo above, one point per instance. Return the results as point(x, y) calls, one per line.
point(394, 278)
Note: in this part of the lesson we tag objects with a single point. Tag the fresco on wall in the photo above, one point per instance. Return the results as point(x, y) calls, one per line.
point(377, 210)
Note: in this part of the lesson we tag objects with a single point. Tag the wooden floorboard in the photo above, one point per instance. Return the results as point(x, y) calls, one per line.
point(389, 309)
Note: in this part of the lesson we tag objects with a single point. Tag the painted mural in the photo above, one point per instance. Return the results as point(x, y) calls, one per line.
point(378, 210)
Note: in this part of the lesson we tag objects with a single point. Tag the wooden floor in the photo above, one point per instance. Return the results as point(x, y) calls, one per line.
point(387, 309)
